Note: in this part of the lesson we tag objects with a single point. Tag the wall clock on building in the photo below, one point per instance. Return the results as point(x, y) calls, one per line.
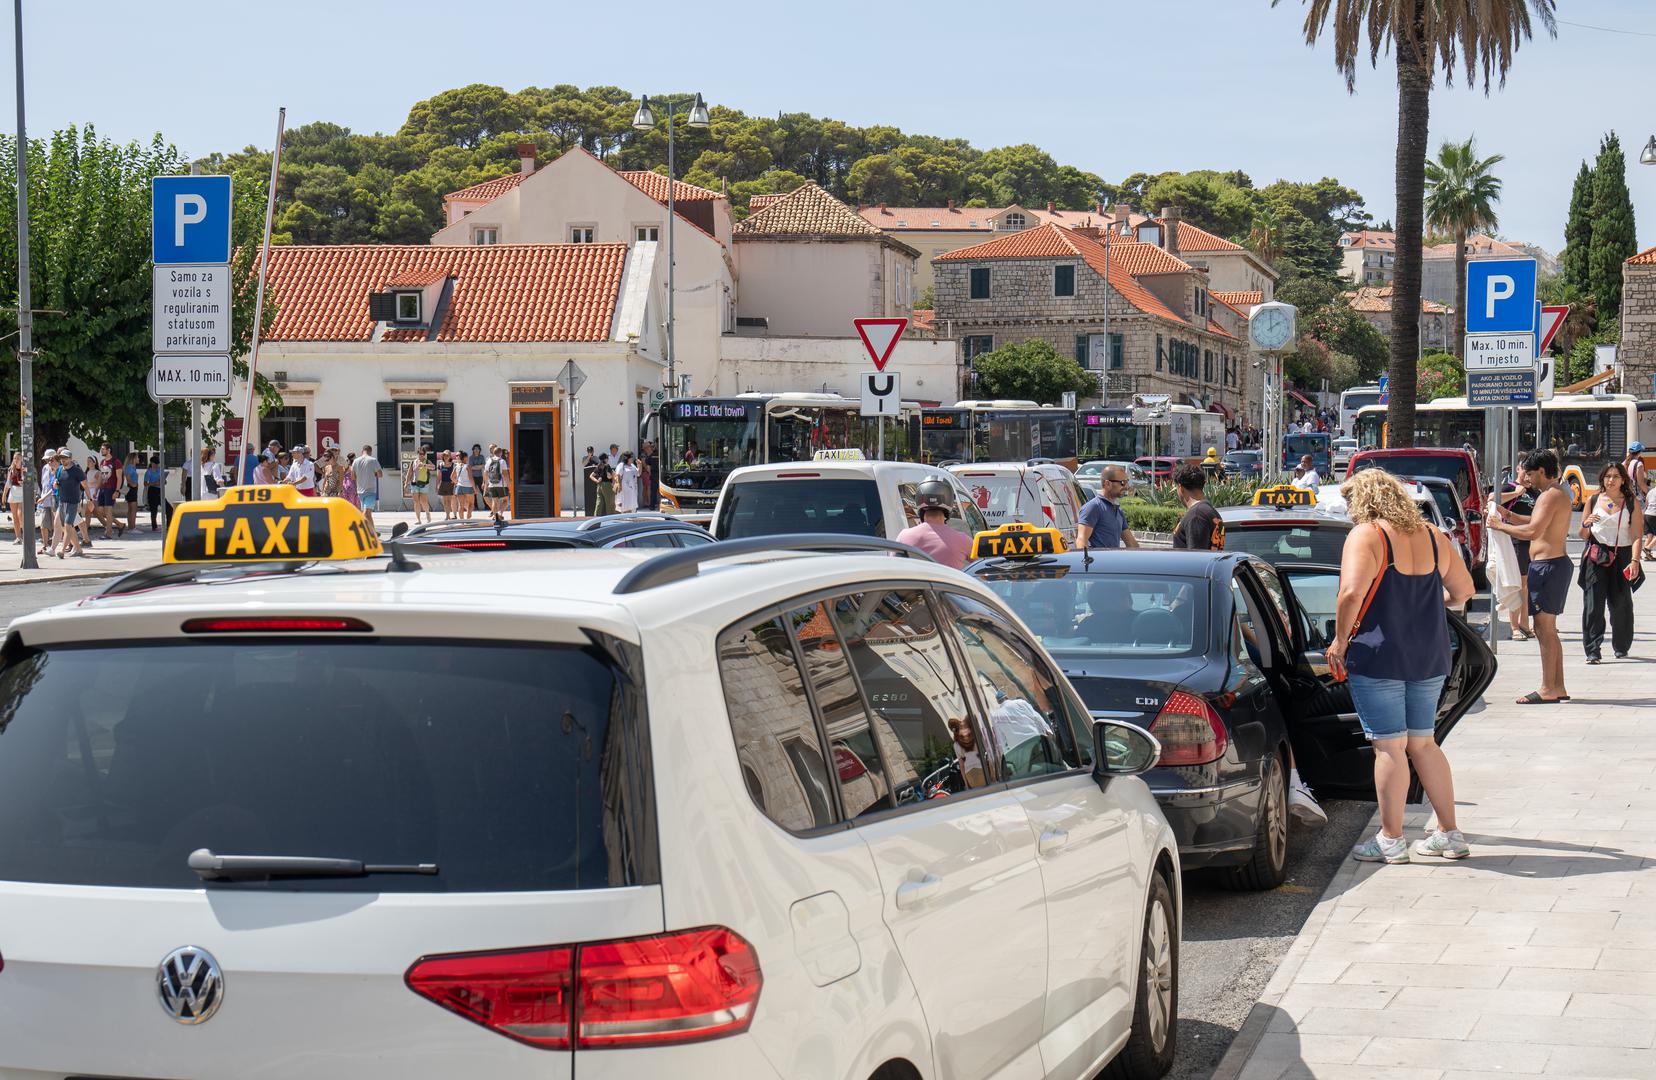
point(1271, 326)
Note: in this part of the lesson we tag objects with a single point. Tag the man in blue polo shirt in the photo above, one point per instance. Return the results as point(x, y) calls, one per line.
point(1103, 523)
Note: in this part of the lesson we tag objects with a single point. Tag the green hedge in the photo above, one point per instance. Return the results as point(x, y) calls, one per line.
point(1143, 517)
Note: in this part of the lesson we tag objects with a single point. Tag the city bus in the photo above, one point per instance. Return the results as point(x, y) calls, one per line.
point(1586, 432)
point(1109, 435)
point(1006, 430)
point(704, 439)
point(1358, 397)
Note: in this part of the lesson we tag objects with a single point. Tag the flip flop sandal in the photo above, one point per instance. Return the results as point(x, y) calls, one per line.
point(1534, 698)
point(1522, 635)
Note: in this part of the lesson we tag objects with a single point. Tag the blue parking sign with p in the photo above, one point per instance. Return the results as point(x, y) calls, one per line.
point(191, 217)
point(1500, 296)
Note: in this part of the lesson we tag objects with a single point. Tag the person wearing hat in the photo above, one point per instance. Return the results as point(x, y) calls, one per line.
point(48, 497)
point(70, 483)
point(1210, 463)
point(302, 473)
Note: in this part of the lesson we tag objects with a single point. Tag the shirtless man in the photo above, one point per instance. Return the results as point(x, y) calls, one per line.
point(1550, 569)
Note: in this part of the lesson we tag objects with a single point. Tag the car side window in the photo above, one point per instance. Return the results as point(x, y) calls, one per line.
point(968, 519)
point(1254, 641)
point(687, 539)
point(857, 746)
point(771, 721)
point(1029, 713)
point(646, 540)
point(909, 496)
point(915, 702)
point(1279, 600)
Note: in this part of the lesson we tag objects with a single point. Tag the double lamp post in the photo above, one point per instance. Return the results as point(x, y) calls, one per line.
point(644, 120)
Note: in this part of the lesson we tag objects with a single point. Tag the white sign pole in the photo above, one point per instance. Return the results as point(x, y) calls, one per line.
point(249, 416)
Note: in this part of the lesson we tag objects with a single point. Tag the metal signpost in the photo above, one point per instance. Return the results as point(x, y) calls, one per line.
point(571, 378)
point(190, 298)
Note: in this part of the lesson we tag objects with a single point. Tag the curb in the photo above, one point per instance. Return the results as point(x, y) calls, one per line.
point(78, 575)
point(1253, 1028)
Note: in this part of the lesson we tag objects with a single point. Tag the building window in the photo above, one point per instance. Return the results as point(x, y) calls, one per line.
point(1118, 351)
point(1158, 352)
point(485, 234)
point(582, 234)
point(980, 283)
point(1015, 221)
point(408, 307)
point(416, 427)
point(1063, 281)
point(1201, 302)
point(646, 232)
point(977, 345)
point(1081, 349)
point(1207, 365)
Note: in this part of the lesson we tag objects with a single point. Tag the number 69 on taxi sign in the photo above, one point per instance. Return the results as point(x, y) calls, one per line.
point(268, 523)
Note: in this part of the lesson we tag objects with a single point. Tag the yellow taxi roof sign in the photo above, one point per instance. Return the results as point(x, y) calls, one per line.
point(1017, 540)
point(1285, 495)
point(268, 523)
point(844, 453)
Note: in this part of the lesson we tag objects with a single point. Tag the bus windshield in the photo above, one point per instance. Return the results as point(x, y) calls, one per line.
point(1108, 436)
point(945, 435)
point(704, 440)
point(1020, 434)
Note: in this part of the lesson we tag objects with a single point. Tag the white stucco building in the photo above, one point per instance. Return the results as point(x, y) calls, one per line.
point(401, 346)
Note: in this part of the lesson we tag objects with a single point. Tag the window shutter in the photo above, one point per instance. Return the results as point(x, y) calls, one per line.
point(1116, 358)
point(382, 307)
point(442, 425)
point(385, 417)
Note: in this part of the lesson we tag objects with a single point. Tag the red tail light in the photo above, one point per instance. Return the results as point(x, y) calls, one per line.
point(473, 545)
point(651, 991)
point(280, 624)
point(1190, 730)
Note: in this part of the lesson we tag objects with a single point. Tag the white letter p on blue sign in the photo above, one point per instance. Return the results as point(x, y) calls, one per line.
point(1501, 287)
point(187, 210)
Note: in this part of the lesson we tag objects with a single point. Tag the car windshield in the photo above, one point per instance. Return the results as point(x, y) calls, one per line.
point(1093, 616)
point(1450, 467)
point(1003, 497)
point(497, 761)
point(1288, 541)
point(813, 504)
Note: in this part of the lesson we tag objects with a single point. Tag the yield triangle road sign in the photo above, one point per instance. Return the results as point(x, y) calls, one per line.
point(1552, 317)
point(879, 337)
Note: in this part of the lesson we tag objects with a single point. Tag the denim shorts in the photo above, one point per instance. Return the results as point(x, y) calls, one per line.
point(1393, 708)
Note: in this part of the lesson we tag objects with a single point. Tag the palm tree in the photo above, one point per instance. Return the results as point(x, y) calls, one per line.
point(1461, 194)
point(1265, 235)
point(1426, 37)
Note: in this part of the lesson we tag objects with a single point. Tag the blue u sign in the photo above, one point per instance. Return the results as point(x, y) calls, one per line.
point(191, 217)
point(1500, 296)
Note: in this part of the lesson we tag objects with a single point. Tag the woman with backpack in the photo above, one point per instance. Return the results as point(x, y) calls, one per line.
point(495, 481)
point(418, 480)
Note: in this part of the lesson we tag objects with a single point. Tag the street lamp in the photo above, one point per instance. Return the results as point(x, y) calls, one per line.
point(1647, 156)
point(644, 120)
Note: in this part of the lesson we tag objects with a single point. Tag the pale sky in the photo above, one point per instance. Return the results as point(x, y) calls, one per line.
point(1174, 84)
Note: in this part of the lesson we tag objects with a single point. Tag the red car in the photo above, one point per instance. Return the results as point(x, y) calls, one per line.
point(1456, 466)
point(1159, 469)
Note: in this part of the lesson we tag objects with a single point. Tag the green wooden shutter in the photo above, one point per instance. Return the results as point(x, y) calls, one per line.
point(442, 425)
point(385, 419)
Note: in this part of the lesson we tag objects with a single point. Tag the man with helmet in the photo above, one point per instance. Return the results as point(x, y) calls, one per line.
point(933, 535)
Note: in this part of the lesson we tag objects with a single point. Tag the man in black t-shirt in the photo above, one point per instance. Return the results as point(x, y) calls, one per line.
point(1200, 528)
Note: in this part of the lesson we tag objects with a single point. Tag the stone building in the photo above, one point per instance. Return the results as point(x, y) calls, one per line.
point(1374, 304)
point(1167, 332)
point(1637, 353)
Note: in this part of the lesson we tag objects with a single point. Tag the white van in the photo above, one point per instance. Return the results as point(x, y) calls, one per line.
point(859, 498)
point(1042, 495)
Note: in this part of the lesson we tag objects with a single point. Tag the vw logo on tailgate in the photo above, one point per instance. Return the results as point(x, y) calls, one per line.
point(190, 984)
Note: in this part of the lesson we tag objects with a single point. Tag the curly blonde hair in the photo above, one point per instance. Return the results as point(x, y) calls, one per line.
point(1376, 495)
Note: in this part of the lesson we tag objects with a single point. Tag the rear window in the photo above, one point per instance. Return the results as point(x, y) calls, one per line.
point(999, 495)
point(1287, 543)
point(1443, 466)
point(805, 505)
point(510, 766)
point(1089, 616)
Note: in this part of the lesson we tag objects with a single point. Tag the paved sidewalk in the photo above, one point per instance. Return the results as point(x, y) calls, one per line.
point(1537, 955)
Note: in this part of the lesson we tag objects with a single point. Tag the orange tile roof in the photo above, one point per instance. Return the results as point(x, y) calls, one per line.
point(654, 185)
point(1377, 300)
point(1055, 241)
point(1240, 298)
point(1215, 328)
point(1140, 258)
point(1370, 238)
point(1646, 257)
point(757, 203)
point(807, 210)
point(1193, 238)
point(488, 189)
point(416, 278)
point(501, 292)
point(922, 217)
point(922, 320)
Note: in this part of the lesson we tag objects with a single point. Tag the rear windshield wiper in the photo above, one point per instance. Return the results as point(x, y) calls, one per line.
point(211, 867)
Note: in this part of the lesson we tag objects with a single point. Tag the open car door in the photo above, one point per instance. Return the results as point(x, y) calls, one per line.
point(1332, 753)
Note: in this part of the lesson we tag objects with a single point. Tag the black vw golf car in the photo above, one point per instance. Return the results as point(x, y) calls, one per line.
point(1220, 656)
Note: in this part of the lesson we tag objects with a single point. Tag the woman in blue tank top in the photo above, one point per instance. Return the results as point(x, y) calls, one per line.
point(1392, 640)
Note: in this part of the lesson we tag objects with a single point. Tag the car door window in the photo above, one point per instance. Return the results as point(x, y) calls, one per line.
point(1316, 598)
point(909, 496)
point(858, 747)
point(1267, 577)
point(1028, 711)
point(915, 702)
point(687, 539)
point(646, 540)
point(1254, 642)
point(776, 738)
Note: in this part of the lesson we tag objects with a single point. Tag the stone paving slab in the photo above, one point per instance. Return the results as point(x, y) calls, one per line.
point(1536, 956)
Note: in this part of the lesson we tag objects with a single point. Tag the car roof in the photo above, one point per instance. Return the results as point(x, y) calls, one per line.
point(833, 469)
point(1159, 561)
point(1287, 515)
point(574, 530)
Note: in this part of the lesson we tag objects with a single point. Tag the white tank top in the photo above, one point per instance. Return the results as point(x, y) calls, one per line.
point(1615, 529)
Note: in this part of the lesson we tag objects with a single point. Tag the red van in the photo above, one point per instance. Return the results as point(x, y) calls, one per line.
point(1456, 466)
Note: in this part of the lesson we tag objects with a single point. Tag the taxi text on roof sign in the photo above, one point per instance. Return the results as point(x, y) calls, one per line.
point(1285, 495)
point(1016, 540)
point(268, 523)
point(850, 453)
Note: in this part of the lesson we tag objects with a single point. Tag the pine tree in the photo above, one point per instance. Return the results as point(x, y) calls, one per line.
point(1614, 238)
point(1578, 233)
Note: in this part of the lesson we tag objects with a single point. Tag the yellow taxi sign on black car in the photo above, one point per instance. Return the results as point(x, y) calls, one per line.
point(268, 523)
point(1017, 540)
point(1285, 495)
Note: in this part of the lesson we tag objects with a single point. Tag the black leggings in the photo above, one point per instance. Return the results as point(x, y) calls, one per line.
point(152, 502)
point(1601, 586)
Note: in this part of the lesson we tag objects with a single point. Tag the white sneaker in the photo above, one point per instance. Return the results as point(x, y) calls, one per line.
point(1380, 848)
point(1447, 845)
point(1303, 806)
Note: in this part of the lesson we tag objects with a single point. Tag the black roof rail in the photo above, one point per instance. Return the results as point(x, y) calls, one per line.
point(611, 519)
point(151, 577)
point(685, 563)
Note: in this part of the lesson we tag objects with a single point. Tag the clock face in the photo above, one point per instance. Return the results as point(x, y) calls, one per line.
point(1270, 329)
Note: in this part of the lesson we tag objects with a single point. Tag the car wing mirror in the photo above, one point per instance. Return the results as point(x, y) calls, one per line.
point(398, 529)
point(1122, 749)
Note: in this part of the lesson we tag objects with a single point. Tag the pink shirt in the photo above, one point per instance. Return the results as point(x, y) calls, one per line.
point(942, 543)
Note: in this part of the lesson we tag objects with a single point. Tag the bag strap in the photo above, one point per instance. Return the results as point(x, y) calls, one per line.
point(1374, 586)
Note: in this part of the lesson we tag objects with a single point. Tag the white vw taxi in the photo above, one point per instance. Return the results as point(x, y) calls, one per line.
point(285, 807)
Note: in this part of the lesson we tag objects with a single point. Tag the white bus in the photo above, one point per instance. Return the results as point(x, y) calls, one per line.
point(1351, 400)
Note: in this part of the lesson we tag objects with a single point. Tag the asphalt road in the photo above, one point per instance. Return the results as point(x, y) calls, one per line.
point(18, 600)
